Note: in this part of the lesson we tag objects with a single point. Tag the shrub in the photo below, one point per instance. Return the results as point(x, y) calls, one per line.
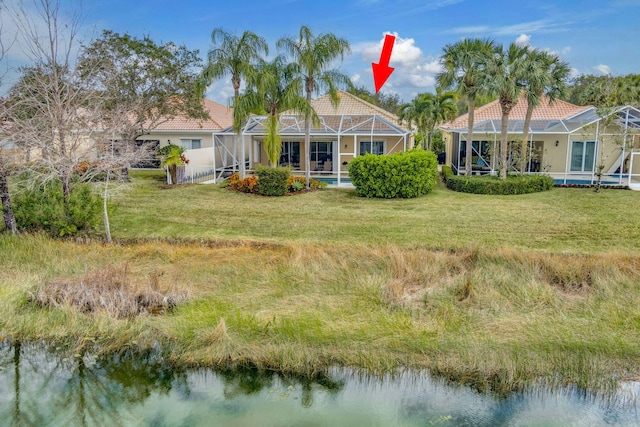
point(447, 172)
point(296, 183)
point(520, 184)
point(409, 174)
point(248, 184)
point(315, 184)
point(233, 180)
point(42, 209)
point(273, 181)
point(299, 183)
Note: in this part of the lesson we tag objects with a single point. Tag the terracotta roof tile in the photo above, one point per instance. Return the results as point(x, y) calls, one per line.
point(350, 105)
point(544, 111)
point(220, 117)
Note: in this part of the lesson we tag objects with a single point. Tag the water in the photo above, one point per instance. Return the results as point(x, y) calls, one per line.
point(42, 388)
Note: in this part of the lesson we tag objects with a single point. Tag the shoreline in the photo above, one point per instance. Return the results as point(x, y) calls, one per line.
point(494, 319)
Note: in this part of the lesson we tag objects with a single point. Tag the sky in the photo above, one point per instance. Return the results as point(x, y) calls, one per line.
point(594, 37)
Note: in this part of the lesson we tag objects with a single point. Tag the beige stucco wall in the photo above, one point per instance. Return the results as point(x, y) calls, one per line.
point(167, 138)
point(555, 158)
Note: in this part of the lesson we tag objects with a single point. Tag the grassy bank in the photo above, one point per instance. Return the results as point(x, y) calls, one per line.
point(497, 319)
point(487, 290)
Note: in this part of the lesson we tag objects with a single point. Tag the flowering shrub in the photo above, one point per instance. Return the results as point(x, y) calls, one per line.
point(316, 184)
point(299, 183)
point(296, 183)
point(233, 180)
point(247, 185)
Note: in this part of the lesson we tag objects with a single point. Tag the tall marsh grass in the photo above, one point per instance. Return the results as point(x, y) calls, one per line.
point(496, 319)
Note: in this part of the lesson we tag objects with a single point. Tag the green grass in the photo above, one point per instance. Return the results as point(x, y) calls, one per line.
point(560, 220)
point(492, 291)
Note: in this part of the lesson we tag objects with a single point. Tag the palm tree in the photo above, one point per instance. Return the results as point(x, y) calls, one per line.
point(543, 74)
point(314, 55)
point(502, 76)
point(172, 157)
point(234, 56)
point(428, 111)
point(276, 86)
point(443, 107)
point(463, 66)
point(416, 112)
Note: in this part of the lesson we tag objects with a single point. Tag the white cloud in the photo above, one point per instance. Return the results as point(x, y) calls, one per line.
point(566, 50)
point(602, 69)
point(405, 51)
point(540, 26)
point(356, 78)
point(523, 40)
point(412, 68)
point(574, 73)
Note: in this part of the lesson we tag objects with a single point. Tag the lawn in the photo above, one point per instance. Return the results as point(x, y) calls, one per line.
point(561, 220)
point(491, 291)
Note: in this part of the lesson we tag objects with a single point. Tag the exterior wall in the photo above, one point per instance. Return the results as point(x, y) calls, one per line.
point(555, 158)
point(167, 138)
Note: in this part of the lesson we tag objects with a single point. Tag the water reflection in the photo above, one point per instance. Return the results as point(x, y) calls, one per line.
point(40, 387)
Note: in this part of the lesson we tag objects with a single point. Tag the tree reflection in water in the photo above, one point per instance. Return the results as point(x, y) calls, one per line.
point(51, 388)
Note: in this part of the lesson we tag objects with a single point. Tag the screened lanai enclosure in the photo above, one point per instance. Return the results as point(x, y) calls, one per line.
point(572, 144)
point(335, 140)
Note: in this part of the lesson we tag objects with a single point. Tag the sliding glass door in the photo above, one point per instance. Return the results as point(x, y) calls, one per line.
point(583, 156)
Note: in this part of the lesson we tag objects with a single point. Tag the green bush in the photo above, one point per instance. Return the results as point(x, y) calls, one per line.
point(42, 209)
point(493, 185)
point(273, 181)
point(447, 172)
point(409, 174)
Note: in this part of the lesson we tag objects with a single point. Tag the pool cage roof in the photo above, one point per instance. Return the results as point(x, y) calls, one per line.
point(625, 116)
point(329, 125)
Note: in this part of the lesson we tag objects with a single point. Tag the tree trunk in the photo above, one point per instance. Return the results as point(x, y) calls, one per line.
point(173, 172)
point(469, 157)
point(238, 148)
point(105, 213)
point(525, 137)
point(504, 146)
point(307, 142)
point(7, 209)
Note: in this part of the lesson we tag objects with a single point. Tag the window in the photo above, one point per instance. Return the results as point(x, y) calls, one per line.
point(373, 147)
point(290, 155)
point(583, 156)
point(191, 144)
point(321, 156)
point(321, 152)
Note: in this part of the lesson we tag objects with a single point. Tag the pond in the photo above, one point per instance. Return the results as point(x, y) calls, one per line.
point(40, 387)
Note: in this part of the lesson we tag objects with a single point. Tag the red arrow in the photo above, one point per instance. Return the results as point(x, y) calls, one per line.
point(382, 71)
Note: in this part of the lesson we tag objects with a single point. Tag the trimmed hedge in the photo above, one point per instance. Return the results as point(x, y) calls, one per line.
point(273, 181)
point(493, 185)
point(409, 174)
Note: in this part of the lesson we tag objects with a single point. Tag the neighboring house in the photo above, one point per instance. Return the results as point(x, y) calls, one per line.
point(566, 141)
point(195, 135)
point(353, 128)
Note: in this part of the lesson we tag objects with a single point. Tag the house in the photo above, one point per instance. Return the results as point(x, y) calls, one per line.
point(569, 142)
point(194, 135)
point(352, 128)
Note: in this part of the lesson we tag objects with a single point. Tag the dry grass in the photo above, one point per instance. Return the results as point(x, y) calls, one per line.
point(111, 291)
point(299, 285)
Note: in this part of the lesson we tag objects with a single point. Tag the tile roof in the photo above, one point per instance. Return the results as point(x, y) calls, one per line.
point(220, 117)
point(350, 105)
point(557, 110)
